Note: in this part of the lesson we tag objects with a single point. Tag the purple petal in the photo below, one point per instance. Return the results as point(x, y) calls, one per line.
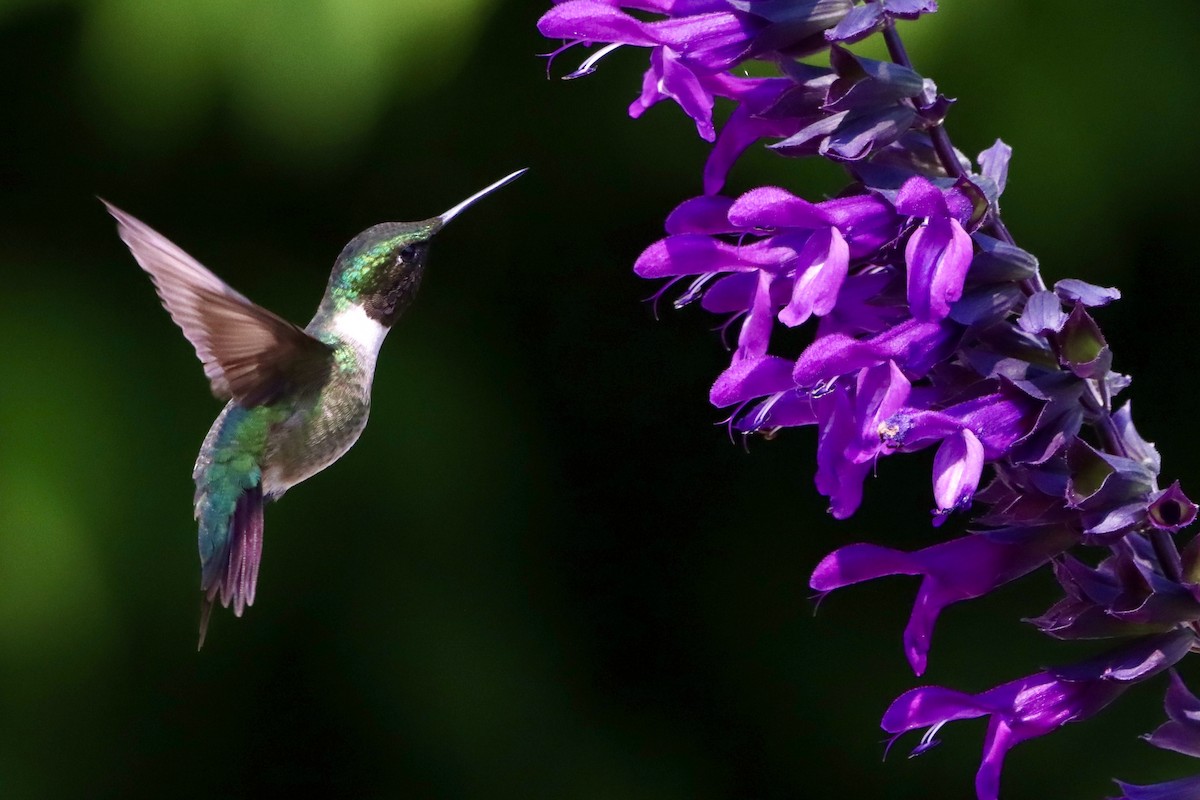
point(821, 267)
point(704, 214)
point(1182, 732)
point(756, 328)
point(592, 21)
point(858, 24)
point(1076, 291)
point(839, 478)
point(993, 163)
point(690, 254)
point(668, 77)
point(957, 468)
point(915, 346)
point(1043, 314)
point(772, 207)
point(938, 255)
point(918, 197)
point(881, 391)
point(1181, 789)
point(749, 378)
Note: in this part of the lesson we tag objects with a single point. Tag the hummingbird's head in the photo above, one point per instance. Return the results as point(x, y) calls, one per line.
point(381, 268)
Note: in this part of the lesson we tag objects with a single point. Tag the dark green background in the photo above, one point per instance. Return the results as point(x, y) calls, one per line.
point(544, 571)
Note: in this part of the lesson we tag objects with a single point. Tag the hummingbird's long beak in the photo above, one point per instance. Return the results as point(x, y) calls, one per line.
point(446, 216)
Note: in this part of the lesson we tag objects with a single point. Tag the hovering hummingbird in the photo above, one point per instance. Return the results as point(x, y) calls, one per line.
point(298, 398)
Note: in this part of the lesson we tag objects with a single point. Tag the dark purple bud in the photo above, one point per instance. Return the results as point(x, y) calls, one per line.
point(794, 28)
point(864, 83)
point(999, 262)
point(862, 133)
point(1171, 510)
point(986, 305)
point(1082, 348)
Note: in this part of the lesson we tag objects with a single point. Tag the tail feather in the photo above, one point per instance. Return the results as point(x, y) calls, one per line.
point(231, 574)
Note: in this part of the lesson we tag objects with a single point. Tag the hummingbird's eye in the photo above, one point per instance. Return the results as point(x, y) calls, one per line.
point(408, 253)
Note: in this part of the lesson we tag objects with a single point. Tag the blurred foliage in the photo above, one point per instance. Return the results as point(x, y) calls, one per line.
point(544, 571)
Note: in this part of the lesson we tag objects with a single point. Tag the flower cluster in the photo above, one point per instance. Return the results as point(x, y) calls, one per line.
point(930, 328)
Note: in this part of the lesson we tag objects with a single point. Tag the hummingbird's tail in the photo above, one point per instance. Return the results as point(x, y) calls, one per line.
point(231, 536)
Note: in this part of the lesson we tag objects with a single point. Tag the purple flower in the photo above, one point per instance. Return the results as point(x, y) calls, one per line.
point(1180, 733)
point(1035, 705)
point(695, 44)
point(913, 320)
point(951, 571)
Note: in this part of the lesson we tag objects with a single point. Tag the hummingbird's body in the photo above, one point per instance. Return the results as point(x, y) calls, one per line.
point(299, 399)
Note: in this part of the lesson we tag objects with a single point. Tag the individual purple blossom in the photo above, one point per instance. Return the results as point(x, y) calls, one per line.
point(1181, 733)
point(1035, 705)
point(960, 569)
point(927, 327)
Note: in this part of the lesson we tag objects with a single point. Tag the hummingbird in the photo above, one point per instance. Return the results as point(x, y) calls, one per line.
point(298, 398)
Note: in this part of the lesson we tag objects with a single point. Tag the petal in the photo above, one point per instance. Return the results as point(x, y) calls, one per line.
point(882, 390)
point(993, 163)
point(938, 255)
point(957, 468)
point(918, 197)
point(821, 267)
point(593, 22)
point(748, 378)
point(1043, 314)
point(756, 328)
point(1181, 789)
point(1071, 290)
point(705, 214)
point(689, 254)
point(772, 207)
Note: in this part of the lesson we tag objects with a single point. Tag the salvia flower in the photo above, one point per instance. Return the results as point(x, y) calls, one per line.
point(1181, 733)
point(926, 326)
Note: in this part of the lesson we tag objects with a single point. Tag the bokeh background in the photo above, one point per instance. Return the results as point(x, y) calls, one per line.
point(544, 571)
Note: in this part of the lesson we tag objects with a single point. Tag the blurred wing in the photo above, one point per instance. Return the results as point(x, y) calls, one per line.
point(248, 353)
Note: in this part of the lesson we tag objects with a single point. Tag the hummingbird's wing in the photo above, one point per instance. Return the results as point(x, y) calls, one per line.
point(249, 353)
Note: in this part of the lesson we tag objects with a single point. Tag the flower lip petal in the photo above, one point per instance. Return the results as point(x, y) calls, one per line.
point(592, 21)
point(773, 207)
